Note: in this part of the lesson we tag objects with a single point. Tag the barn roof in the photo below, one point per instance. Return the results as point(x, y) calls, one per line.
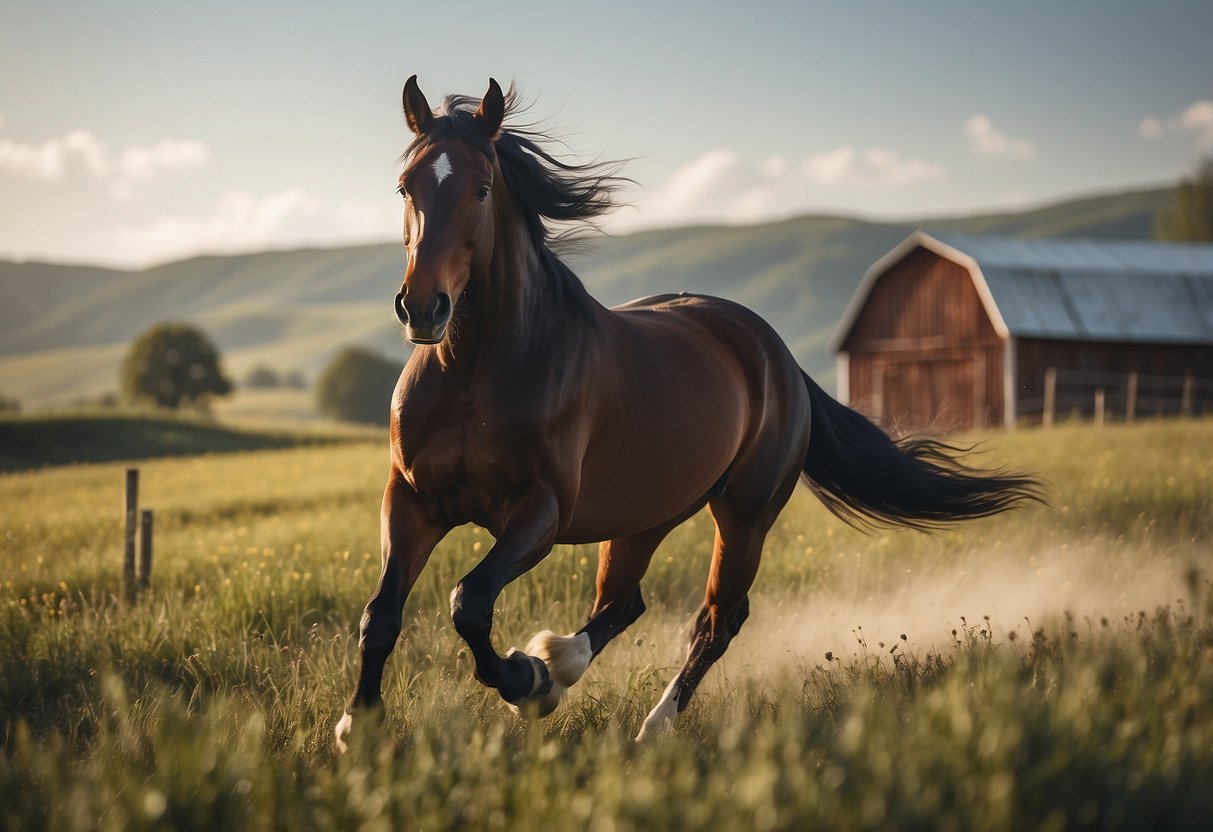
point(1088, 290)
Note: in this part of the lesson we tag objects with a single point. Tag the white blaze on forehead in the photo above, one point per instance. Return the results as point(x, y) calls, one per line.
point(441, 168)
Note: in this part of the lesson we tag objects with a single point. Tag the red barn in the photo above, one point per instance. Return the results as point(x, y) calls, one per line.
point(951, 332)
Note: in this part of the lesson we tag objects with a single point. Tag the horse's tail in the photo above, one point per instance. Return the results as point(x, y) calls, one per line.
point(866, 478)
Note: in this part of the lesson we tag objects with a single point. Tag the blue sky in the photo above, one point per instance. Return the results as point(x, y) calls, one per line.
point(135, 132)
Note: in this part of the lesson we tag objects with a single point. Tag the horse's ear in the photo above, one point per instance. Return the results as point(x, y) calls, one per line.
point(491, 112)
point(416, 108)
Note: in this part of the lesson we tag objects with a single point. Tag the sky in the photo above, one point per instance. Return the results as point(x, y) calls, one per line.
point(133, 133)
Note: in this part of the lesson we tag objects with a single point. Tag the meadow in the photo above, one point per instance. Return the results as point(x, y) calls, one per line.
point(1046, 669)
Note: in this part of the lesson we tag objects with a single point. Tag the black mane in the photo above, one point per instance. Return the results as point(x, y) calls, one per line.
point(558, 200)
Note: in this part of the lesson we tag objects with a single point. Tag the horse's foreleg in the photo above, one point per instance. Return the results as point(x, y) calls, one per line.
point(407, 539)
point(529, 533)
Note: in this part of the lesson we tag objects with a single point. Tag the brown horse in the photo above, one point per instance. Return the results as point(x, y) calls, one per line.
point(529, 409)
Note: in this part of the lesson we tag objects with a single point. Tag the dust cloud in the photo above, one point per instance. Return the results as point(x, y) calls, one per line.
point(1090, 585)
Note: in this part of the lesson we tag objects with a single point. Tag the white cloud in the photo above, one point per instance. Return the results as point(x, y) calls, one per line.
point(1149, 128)
point(55, 159)
point(51, 160)
point(987, 141)
point(871, 168)
point(144, 162)
point(1196, 120)
point(720, 185)
point(243, 221)
point(688, 186)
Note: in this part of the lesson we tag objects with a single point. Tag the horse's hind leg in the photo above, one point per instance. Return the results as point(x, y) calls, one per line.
point(740, 533)
point(621, 564)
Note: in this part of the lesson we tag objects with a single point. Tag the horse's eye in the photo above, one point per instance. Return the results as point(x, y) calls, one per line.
point(400, 190)
point(483, 193)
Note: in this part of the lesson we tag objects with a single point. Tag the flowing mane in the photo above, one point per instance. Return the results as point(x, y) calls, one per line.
point(559, 201)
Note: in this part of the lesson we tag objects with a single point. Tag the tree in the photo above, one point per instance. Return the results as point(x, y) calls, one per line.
point(294, 380)
point(172, 364)
point(356, 386)
point(262, 377)
point(1192, 216)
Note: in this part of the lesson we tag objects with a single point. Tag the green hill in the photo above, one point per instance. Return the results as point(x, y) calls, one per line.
point(63, 328)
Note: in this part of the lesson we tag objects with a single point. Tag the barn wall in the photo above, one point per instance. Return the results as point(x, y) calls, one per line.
point(1084, 366)
point(922, 353)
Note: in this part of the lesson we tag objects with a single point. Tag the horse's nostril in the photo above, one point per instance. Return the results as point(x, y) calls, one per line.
point(402, 314)
point(440, 309)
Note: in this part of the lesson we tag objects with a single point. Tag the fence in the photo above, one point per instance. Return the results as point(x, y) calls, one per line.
point(1104, 396)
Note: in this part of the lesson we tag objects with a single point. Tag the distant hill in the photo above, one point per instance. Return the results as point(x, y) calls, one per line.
point(63, 329)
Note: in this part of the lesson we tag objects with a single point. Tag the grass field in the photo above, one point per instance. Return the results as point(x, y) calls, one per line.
point(1047, 669)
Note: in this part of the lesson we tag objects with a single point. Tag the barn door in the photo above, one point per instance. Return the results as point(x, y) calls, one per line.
point(935, 395)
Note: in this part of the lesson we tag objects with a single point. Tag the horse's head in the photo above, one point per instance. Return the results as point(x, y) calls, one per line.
point(447, 187)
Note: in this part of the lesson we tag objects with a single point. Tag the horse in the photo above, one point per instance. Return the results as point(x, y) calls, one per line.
point(533, 411)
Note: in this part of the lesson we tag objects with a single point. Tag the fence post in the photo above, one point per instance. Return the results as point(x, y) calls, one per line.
point(132, 510)
point(1046, 416)
point(145, 549)
point(1131, 398)
point(1099, 404)
point(1185, 404)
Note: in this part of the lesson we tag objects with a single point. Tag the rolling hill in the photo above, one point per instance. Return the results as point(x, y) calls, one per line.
point(63, 329)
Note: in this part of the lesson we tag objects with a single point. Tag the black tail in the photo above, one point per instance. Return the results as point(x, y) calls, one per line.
point(866, 478)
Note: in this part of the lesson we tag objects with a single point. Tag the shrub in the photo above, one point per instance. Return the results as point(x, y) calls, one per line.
point(356, 386)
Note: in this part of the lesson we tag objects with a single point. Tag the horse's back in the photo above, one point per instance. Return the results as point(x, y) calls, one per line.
point(730, 324)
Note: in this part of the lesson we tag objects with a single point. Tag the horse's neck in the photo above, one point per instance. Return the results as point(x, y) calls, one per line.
point(507, 306)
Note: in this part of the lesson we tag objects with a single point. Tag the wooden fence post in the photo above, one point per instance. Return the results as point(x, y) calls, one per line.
point(132, 510)
point(1099, 407)
point(1046, 417)
point(1185, 404)
point(145, 549)
point(1131, 398)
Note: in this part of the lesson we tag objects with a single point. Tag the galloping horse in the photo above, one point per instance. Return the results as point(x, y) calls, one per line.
point(529, 409)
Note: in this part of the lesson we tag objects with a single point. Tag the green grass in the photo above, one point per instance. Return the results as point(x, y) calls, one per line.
point(210, 702)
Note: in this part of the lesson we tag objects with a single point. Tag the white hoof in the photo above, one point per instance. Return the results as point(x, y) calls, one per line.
point(342, 731)
point(661, 719)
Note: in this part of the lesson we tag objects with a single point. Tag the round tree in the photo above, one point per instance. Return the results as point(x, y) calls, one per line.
point(357, 386)
point(173, 364)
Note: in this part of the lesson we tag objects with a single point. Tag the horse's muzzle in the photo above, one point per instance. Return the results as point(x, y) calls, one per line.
point(427, 325)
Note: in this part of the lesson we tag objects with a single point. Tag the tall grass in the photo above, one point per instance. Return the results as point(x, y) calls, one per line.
point(210, 702)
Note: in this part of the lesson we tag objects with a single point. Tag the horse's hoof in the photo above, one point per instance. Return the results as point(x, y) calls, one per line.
point(344, 726)
point(369, 717)
point(541, 704)
point(661, 719)
point(545, 694)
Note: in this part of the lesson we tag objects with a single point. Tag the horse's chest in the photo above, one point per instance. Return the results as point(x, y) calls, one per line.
point(458, 466)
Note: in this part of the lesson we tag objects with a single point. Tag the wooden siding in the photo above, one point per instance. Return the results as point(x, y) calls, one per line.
point(923, 354)
point(1085, 365)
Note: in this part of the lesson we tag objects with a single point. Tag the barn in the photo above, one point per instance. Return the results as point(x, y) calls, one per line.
point(952, 332)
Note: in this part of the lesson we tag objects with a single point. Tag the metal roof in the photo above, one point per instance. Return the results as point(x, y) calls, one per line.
point(1092, 290)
